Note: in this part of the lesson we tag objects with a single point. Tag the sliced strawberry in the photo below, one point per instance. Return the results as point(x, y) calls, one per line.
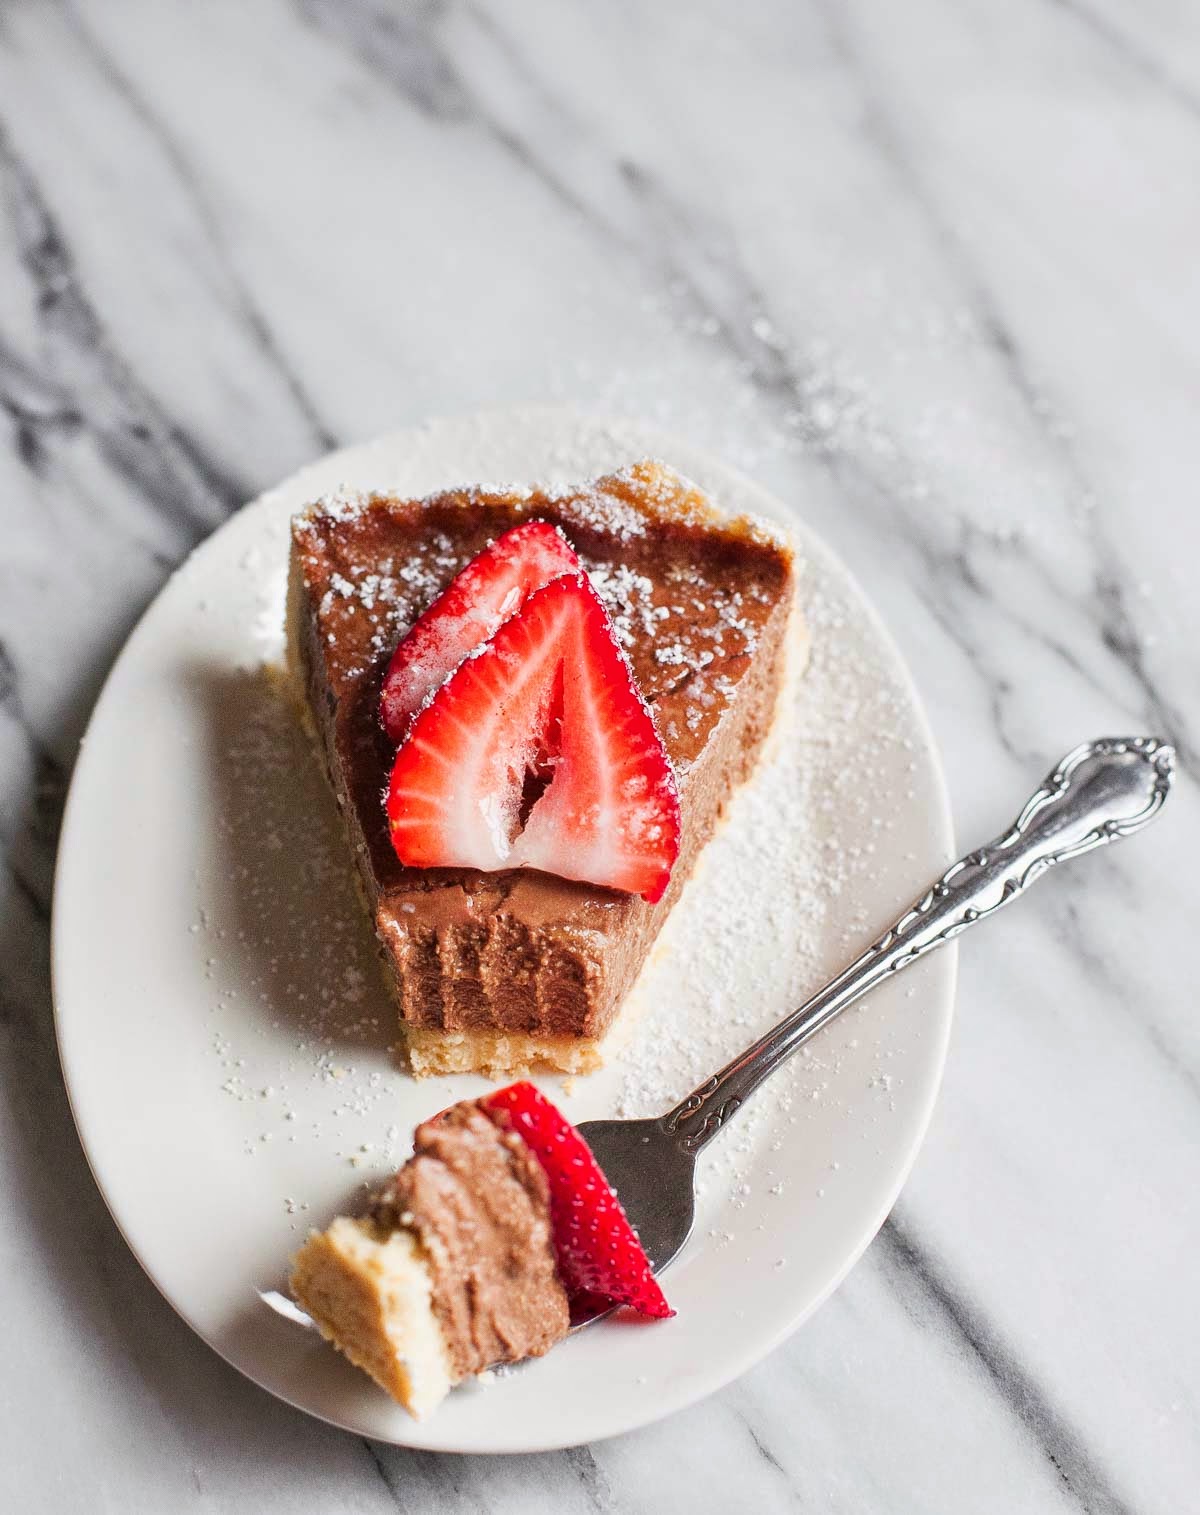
point(537, 752)
point(489, 589)
point(597, 1249)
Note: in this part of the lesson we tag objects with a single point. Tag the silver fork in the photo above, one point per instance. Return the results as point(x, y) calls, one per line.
point(1100, 792)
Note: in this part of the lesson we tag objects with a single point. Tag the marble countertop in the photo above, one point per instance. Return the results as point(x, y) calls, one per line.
point(930, 272)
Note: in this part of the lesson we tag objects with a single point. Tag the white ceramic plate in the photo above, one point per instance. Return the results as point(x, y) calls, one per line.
point(225, 1037)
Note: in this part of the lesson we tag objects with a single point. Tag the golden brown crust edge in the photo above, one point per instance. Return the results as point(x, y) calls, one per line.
point(371, 1297)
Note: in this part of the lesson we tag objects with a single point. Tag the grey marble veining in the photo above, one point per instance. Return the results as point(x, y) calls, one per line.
point(930, 273)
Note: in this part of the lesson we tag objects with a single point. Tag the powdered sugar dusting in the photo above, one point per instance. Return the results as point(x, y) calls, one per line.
point(779, 877)
point(300, 1023)
point(388, 594)
point(628, 597)
point(775, 906)
point(687, 624)
point(600, 510)
point(342, 504)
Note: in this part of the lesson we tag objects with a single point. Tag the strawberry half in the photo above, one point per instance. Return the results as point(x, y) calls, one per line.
point(597, 1249)
point(537, 752)
point(489, 589)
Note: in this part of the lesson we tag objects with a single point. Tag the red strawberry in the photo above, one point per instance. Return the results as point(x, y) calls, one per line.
point(490, 588)
point(597, 1249)
point(549, 705)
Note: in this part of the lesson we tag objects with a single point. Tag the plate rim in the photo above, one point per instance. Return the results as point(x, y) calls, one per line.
point(734, 1364)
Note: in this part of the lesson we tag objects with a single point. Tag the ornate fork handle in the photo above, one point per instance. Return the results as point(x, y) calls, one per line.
point(1100, 792)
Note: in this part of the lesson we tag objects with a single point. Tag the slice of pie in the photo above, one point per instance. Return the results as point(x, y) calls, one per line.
point(472, 1255)
point(503, 969)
